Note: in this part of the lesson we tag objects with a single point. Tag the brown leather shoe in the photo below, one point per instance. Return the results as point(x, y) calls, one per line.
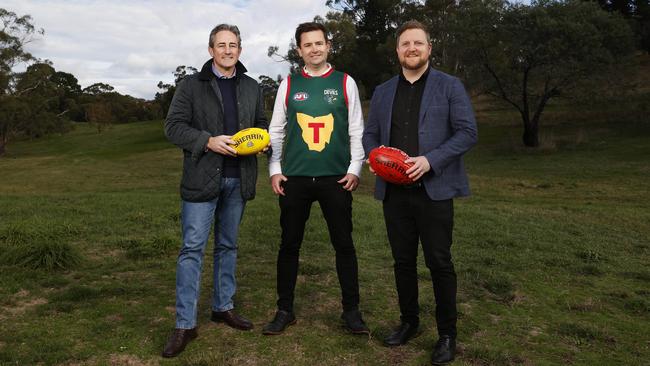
point(178, 340)
point(232, 319)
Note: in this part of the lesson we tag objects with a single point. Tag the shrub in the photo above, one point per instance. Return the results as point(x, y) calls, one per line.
point(49, 255)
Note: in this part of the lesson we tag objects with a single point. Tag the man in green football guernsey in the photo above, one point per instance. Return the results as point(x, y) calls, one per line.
point(316, 132)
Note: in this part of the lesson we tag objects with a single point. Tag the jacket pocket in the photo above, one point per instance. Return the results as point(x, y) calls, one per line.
point(192, 180)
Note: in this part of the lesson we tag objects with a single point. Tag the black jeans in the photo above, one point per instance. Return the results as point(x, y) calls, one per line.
point(411, 216)
point(295, 205)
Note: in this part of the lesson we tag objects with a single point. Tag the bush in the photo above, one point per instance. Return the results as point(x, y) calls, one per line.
point(49, 255)
point(29, 247)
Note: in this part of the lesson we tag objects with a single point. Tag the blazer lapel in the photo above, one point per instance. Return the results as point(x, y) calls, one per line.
point(432, 81)
point(388, 100)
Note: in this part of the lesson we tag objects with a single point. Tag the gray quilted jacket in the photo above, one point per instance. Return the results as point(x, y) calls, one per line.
point(196, 114)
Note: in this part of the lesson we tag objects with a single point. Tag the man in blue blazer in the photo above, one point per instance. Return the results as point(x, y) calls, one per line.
point(427, 114)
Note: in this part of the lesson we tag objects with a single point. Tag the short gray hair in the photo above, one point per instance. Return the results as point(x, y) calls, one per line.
point(224, 27)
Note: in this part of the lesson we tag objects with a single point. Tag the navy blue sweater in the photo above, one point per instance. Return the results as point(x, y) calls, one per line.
point(228, 90)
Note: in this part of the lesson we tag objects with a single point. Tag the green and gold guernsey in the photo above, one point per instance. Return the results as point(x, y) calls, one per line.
point(317, 137)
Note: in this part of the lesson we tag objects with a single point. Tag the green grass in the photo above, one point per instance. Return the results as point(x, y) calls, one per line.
point(551, 252)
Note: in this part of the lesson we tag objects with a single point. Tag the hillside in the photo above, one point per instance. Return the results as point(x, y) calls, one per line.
point(551, 251)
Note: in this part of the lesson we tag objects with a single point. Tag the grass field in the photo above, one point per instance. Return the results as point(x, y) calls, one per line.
point(552, 255)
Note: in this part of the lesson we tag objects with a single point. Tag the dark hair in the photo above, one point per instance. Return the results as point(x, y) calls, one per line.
point(224, 27)
point(411, 24)
point(309, 27)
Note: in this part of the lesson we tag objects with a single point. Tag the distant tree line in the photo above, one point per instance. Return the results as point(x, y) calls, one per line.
point(42, 100)
point(166, 91)
point(637, 13)
point(524, 54)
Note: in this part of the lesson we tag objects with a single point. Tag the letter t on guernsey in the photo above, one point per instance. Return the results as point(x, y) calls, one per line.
point(316, 126)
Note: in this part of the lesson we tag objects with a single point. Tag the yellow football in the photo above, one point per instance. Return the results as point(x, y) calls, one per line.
point(250, 141)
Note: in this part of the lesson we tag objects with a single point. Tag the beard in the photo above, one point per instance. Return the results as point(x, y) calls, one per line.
point(410, 66)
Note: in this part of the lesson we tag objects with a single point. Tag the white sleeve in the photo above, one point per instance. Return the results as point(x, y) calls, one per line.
point(277, 129)
point(355, 127)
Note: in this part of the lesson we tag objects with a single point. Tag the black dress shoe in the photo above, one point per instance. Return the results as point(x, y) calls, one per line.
point(401, 335)
point(231, 319)
point(178, 340)
point(354, 323)
point(280, 322)
point(444, 351)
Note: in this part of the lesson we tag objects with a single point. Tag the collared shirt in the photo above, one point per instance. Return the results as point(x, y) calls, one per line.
point(222, 76)
point(355, 126)
point(328, 67)
point(406, 114)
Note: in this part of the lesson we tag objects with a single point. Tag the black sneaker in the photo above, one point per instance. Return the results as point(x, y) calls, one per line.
point(280, 322)
point(354, 323)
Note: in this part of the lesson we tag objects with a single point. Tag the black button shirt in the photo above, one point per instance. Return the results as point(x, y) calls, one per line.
point(406, 114)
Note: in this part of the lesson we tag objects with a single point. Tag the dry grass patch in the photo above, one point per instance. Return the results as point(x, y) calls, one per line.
point(21, 303)
point(129, 360)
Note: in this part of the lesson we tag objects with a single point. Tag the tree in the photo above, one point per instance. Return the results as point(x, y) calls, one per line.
point(15, 32)
point(36, 90)
point(376, 22)
point(98, 89)
point(97, 107)
point(69, 92)
point(269, 89)
point(643, 14)
point(66, 83)
point(638, 14)
point(99, 113)
point(440, 17)
point(12, 111)
point(343, 32)
point(528, 54)
point(166, 93)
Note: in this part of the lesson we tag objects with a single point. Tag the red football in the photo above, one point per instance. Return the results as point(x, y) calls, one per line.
point(388, 163)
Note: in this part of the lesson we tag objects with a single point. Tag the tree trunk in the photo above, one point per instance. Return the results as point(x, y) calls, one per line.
point(531, 134)
point(531, 131)
point(3, 145)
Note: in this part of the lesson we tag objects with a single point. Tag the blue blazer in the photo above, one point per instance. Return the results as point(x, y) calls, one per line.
point(446, 130)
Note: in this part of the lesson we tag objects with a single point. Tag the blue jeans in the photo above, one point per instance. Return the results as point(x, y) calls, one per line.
point(196, 220)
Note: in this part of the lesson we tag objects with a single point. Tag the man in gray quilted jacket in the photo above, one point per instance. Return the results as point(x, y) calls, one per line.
point(207, 109)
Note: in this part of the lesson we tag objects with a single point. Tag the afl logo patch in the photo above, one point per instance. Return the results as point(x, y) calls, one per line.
point(300, 96)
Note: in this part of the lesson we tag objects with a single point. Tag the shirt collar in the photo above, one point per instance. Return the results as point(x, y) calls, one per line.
point(222, 76)
point(328, 68)
point(422, 78)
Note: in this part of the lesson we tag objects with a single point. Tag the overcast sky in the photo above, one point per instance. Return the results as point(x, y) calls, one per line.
point(132, 45)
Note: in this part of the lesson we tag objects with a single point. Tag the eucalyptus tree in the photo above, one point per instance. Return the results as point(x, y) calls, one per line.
point(528, 54)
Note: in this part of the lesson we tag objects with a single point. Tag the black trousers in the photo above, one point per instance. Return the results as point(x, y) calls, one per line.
point(412, 217)
point(295, 206)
